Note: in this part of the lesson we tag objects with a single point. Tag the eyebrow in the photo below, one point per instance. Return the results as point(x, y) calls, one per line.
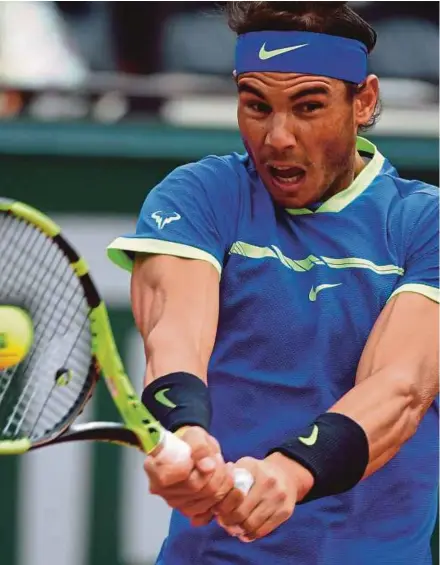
point(244, 87)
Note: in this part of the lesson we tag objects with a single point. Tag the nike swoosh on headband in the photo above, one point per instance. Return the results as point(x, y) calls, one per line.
point(264, 54)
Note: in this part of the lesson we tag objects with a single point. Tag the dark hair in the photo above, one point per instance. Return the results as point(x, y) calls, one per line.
point(332, 18)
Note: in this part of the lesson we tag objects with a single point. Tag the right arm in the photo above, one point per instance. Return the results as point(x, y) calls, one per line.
point(175, 306)
point(183, 233)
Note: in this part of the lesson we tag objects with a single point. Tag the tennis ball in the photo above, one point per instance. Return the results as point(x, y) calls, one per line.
point(16, 335)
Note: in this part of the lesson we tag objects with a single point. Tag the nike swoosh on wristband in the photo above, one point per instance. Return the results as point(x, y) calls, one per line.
point(264, 54)
point(311, 440)
point(162, 399)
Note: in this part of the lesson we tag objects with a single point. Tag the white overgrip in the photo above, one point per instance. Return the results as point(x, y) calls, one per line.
point(173, 450)
point(243, 480)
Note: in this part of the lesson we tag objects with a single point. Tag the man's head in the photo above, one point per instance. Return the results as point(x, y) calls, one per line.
point(300, 127)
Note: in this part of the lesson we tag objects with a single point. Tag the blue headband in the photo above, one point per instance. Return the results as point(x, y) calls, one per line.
point(301, 52)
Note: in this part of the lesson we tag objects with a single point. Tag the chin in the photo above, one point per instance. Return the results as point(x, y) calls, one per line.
point(294, 201)
point(291, 203)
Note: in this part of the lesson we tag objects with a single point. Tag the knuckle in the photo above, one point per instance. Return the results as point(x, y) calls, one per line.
point(210, 488)
point(218, 496)
point(250, 524)
point(285, 514)
point(281, 496)
point(218, 485)
point(270, 482)
point(194, 483)
point(236, 498)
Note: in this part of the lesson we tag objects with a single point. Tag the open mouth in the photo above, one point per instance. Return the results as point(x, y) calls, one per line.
point(285, 175)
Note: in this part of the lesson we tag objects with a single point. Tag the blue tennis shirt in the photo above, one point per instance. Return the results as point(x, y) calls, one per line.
point(300, 291)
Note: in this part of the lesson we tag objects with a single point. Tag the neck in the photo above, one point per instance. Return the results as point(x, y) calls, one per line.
point(359, 165)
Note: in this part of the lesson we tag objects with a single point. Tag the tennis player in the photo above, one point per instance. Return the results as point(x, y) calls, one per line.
point(287, 298)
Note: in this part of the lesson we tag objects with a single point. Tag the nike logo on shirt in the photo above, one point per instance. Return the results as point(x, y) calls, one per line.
point(315, 291)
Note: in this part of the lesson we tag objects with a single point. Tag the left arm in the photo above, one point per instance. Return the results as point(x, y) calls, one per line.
point(397, 377)
point(396, 382)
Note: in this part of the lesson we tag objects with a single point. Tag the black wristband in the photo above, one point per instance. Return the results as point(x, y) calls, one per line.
point(334, 448)
point(178, 399)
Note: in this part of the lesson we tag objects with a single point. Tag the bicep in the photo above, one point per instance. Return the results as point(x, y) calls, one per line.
point(175, 304)
point(404, 342)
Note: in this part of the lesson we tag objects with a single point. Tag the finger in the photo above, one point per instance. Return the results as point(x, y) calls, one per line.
point(182, 492)
point(214, 490)
point(261, 514)
point(269, 525)
point(201, 443)
point(208, 464)
point(203, 448)
point(202, 519)
point(230, 502)
point(238, 514)
point(161, 475)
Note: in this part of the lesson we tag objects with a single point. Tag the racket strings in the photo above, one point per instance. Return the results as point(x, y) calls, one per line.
point(18, 418)
point(35, 274)
point(23, 404)
point(61, 416)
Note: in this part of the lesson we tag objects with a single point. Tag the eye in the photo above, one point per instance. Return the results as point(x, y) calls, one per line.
point(310, 107)
point(258, 107)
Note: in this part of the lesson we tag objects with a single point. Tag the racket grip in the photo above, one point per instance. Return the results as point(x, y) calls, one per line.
point(175, 450)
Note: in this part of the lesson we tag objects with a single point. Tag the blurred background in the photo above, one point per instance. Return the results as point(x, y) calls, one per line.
point(98, 101)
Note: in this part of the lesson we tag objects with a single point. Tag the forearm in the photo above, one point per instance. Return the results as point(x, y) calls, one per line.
point(169, 349)
point(358, 435)
point(175, 306)
point(388, 409)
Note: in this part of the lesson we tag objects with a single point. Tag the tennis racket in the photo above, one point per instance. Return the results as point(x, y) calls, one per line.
point(55, 343)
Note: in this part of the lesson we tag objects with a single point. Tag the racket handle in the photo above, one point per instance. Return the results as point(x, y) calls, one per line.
point(175, 450)
point(172, 449)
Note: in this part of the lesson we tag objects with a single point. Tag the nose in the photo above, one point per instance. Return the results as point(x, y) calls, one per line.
point(280, 135)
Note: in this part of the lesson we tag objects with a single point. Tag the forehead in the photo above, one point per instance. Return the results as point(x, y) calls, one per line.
point(290, 83)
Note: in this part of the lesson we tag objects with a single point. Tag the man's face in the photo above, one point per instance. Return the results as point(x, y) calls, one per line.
point(300, 131)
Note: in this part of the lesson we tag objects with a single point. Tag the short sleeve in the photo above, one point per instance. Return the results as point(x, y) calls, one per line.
point(421, 270)
point(192, 213)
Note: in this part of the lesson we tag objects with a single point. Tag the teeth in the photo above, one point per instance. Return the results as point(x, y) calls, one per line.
point(288, 180)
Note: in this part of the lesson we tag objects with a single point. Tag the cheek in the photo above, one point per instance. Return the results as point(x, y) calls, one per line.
point(336, 154)
point(253, 134)
point(337, 141)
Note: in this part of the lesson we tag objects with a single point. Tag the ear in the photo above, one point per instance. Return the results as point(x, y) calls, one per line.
point(366, 99)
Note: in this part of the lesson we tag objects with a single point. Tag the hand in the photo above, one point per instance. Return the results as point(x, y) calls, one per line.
point(193, 487)
point(279, 484)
